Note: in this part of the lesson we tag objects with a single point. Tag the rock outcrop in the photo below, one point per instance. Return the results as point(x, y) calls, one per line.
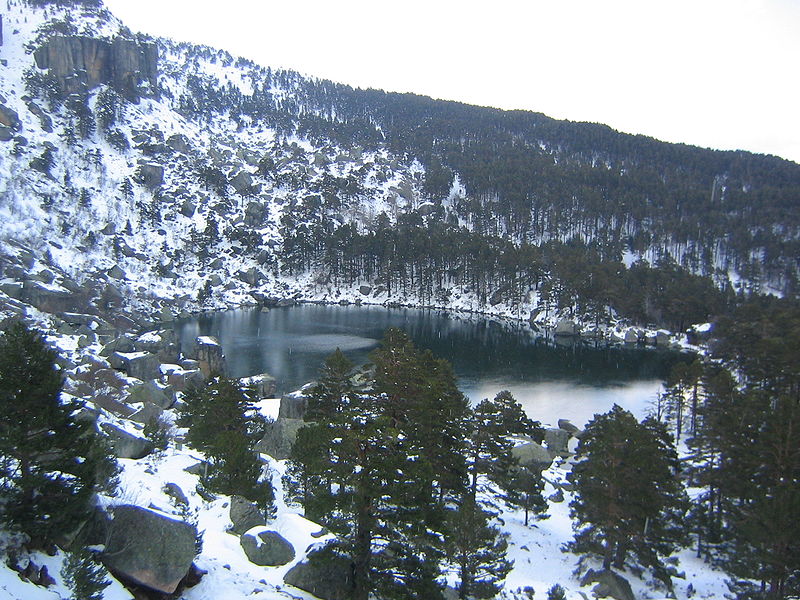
point(83, 63)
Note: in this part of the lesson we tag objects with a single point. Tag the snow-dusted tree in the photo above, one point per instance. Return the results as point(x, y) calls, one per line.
point(84, 576)
point(629, 502)
point(50, 462)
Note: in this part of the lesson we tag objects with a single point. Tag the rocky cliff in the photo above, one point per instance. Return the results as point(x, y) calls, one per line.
point(83, 63)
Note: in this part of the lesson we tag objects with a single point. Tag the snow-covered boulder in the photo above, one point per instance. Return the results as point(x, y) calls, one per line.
point(207, 351)
point(126, 445)
point(152, 393)
point(266, 548)
point(147, 547)
point(293, 406)
point(141, 365)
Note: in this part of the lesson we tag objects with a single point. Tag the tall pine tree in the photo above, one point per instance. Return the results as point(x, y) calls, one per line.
point(50, 462)
point(629, 503)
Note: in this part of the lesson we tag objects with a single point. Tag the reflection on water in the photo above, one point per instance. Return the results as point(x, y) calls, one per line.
point(551, 381)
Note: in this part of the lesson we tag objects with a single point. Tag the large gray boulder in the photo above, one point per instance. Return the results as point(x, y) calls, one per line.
point(609, 585)
point(141, 365)
point(567, 426)
point(152, 393)
point(532, 456)
point(293, 406)
point(126, 445)
point(148, 548)
point(279, 436)
point(244, 515)
point(328, 579)
point(557, 441)
point(566, 328)
point(266, 548)
point(163, 344)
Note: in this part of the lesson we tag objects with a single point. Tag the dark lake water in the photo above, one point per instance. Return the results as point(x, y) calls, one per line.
point(551, 381)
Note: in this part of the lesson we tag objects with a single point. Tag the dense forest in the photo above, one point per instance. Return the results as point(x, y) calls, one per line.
point(530, 179)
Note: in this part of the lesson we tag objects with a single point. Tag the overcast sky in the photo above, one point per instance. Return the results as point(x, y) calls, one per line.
point(717, 73)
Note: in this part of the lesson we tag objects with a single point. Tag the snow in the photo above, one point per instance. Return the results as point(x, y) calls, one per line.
point(26, 224)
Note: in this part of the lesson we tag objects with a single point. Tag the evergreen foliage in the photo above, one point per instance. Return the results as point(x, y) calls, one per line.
point(84, 576)
point(384, 466)
point(219, 425)
point(629, 502)
point(747, 451)
point(50, 462)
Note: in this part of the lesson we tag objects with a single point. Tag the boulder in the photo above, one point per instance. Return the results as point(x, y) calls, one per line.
point(126, 445)
point(242, 182)
point(365, 290)
point(567, 426)
point(279, 436)
point(120, 344)
point(9, 118)
point(180, 381)
point(162, 343)
point(266, 548)
point(148, 548)
point(293, 406)
point(6, 134)
point(150, 175)
point(149, 413)
point(152, 393)
point(254, 214)
point(141, 365)
point(566, 328)
point(174, 491)
point(631, 336)
point(208, 353)
point(609, 585)
point(328, 579)
point(264, 384)
point(532, 456)
point(244, 515)
point(47, 298)
point(557, 440)
point(179, 143)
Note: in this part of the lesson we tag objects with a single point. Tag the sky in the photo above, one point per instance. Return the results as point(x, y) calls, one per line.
point(716, 73)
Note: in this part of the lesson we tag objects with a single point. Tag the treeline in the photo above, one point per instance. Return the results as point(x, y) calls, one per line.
point(435, 260)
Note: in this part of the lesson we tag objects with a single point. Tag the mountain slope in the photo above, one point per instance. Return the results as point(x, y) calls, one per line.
point(204, 178)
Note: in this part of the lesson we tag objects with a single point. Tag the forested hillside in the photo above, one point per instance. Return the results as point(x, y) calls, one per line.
point(207, 180)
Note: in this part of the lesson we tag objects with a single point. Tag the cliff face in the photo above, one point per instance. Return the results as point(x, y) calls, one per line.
point(83, 63)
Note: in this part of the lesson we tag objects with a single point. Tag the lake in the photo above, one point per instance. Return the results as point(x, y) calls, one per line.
point(551, 381)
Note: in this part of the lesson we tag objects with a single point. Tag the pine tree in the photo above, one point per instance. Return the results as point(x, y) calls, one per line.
point(218, 425)
point(478, 550)
point(747, 450)
point(50, 463)
point(556, 592)
point(629, 502)
point(84, 576)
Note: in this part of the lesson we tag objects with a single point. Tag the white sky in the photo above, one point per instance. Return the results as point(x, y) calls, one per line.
point(717, 73)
